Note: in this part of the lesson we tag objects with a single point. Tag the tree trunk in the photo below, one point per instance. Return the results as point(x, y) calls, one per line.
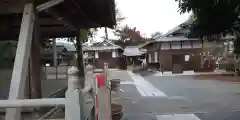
point(80, 60)
point(106, 33)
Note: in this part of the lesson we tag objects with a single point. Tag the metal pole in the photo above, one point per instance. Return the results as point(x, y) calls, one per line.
point(56, 68)
point(54, 52)
point(105, 70)
point(54, 48)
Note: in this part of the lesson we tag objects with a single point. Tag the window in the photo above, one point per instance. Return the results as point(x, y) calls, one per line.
point(165, 46)
point(186, 44)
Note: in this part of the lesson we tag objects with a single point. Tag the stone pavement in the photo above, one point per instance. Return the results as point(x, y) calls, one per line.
point(176, 98)
point(194, 116)
point(184, 98)
point(169, 73)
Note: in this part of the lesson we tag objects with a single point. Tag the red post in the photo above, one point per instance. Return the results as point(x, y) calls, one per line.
point(102, 98)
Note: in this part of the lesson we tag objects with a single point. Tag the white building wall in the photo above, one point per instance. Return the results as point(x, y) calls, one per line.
point(186, 44)
point(176, 45)
point(165, 46)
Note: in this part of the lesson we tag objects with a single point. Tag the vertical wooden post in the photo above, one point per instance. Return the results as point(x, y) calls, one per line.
point(35, 62)
point(21, 61)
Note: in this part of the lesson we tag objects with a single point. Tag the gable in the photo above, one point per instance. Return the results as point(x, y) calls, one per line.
point(180, 30)
point(104, 43)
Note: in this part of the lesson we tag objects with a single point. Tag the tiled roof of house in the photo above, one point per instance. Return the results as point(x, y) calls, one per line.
point(179, 27)
point(101, 46)
point(182, 38)
point(132, 51)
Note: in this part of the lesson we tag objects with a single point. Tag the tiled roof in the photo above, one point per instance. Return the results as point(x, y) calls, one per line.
point(175, 38)
point(179, 27)
point(182, 38)
point(101, 48)
point(132, 51)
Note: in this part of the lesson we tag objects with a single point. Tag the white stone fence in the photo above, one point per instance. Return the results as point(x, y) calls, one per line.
point(73, 110)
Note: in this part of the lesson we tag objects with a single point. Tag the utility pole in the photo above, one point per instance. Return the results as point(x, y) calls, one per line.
point(54, 47)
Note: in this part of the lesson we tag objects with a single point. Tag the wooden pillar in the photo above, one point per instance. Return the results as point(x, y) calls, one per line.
point(35, 62)
point(19, 73)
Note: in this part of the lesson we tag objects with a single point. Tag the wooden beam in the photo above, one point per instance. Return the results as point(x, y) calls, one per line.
point(32, 103)
point(48, 5)
point(21, 61)
point(67, 19)
point(35, 67)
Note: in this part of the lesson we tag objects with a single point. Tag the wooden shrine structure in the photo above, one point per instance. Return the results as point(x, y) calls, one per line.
point(30, 21)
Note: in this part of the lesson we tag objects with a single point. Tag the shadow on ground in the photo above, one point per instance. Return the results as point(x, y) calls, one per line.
point(143, 71)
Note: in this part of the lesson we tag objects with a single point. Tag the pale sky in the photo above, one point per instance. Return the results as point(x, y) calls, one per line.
point(149, 16)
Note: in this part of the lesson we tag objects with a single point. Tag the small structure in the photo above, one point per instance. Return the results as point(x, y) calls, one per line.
point(135, 54)
point(175, 52)
point(30, 21)
point(104, 52)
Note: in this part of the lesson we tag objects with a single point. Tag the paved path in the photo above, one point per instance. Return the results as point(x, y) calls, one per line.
point(169, 73)
point(177, 98)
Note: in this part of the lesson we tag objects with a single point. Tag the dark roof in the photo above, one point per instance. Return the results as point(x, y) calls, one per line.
point(104, 45)
point(175, 38)
point(179, 27)
point(132, 51)
point(78, 13)
point(124, 44)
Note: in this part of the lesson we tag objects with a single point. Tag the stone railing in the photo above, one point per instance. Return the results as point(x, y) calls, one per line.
point(73, 108)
